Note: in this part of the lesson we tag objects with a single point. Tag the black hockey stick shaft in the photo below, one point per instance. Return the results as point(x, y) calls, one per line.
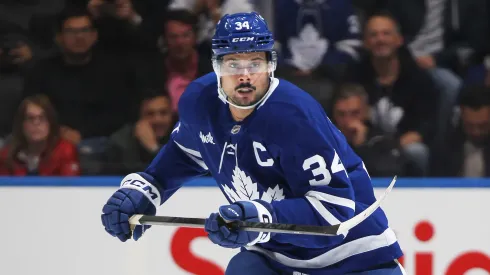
point(247, 226)
point(331, 230)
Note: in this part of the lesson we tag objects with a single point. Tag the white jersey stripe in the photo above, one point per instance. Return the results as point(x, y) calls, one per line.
point(332, 199)
point(335, 255)
point(193, 154)
point(320, 208)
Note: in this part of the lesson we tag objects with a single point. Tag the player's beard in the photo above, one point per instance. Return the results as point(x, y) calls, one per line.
point(255, 94)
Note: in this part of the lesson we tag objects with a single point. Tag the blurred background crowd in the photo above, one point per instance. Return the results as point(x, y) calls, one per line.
point(90, 87)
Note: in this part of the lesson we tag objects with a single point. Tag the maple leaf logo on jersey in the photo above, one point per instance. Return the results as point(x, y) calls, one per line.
point(246, 189)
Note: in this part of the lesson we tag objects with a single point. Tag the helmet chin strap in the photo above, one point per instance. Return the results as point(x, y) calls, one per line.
point(222, 95)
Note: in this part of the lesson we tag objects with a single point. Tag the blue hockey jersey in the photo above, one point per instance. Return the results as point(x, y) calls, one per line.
point(314, 32)
point(288, 153)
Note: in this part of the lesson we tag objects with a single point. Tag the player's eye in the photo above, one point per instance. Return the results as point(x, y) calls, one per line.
point(233, 65)
point(256, 66)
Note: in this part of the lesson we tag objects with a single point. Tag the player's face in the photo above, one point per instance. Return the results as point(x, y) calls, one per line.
point(158, 112)
point(381, 37)
point(476, 124)
point(245, 77)
point(36, 125)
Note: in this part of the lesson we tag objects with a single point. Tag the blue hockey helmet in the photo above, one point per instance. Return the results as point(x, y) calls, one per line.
point(242, 32)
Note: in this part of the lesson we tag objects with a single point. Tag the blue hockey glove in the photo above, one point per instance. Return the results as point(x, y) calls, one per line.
point(252, 211)
point(135, 196)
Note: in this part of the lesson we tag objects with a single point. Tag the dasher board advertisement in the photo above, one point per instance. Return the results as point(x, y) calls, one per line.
point(57, 231)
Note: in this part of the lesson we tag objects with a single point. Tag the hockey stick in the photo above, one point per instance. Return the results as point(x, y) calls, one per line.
point(332, 230)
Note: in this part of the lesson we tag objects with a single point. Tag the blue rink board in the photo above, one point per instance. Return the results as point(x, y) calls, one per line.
point(209, 182)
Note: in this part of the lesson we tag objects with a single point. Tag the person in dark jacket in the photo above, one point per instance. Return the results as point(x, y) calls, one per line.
point(134, 146)
point(445, 36)
point(85, 84)
point(443, 32)
point(382, 154)
point(402, 96)
point(466, 151)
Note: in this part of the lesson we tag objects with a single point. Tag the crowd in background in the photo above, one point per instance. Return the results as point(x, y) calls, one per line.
point(90, 87)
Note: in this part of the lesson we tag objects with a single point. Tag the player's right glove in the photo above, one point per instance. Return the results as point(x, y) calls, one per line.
point(252, 211)
point(135, 196)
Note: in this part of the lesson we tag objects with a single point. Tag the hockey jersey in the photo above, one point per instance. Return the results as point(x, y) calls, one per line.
point(288, 153)
point(315, 32)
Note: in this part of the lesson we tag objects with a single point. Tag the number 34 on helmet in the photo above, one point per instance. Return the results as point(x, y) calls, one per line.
point(243, 33)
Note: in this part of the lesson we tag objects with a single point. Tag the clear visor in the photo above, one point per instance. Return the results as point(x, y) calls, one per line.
point(243, 67)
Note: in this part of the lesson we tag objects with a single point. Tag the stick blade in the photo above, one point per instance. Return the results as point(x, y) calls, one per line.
point(349, 224)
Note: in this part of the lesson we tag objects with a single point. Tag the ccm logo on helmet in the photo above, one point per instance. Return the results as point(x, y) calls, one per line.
point(243, 39)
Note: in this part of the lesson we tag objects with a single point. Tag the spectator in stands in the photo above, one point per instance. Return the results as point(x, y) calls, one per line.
point(208, 13)
point(14, 43)
point(444, 36)
point(316, 34)
point(134, 146)
point(18, 16)
point(94, 92)
point(126, 25)
point(402, 95)
point(180, 63)
point(381, 153)
point(466, 151)
point(35, 147)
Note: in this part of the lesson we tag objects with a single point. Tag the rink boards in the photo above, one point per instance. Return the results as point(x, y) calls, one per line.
point(52, 226)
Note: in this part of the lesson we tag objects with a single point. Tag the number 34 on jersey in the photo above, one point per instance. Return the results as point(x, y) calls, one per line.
point(321, 174)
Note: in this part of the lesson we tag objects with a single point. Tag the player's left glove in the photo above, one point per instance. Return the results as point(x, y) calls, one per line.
point(251, 211)
point(136, 196)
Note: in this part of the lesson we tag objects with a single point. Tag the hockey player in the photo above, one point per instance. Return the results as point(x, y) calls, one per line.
point(275, 155)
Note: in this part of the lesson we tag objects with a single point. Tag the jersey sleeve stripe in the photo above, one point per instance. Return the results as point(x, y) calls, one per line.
point(320, 208)
point(332, 199)
point(198, 161)
point(194, 155)
point(189, 151)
